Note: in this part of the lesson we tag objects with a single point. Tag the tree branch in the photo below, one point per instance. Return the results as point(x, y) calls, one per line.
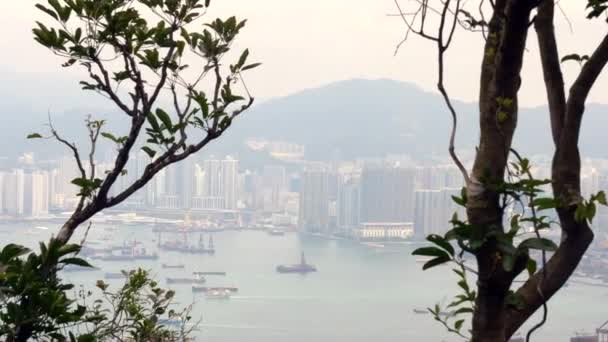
point(554, 81)
point(576, 236)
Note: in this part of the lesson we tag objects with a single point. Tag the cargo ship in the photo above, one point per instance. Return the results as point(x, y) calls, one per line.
point(196, 280)
point(302, 267)
point(216, 288)
point(216, 273)
point(184, 247)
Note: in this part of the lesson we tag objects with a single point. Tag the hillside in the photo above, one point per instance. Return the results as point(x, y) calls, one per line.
point(346, 119)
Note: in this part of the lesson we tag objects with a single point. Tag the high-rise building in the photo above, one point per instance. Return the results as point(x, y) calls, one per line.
point(186, 182)
point(36, 194)
point(67, 171)
point(229, 177)
point(14, 192)
point(434, 210)
point(314, 201)
point(387, 194)
point(348, 204)
point(427, 211)
point(212, 185)
point(180, 184)
point(437, 177)
point(275, 185)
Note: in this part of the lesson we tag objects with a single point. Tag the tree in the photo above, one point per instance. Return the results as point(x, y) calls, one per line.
point(137, 311)
point(500, 177)
point(137, 64)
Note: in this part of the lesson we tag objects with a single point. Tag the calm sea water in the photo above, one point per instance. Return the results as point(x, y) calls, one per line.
point(360, 293)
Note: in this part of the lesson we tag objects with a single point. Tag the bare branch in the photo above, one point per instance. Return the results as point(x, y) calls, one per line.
point(106, 86)
point(71, 146)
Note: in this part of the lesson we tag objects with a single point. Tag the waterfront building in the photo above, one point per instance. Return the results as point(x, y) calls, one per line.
point(314, 201)
point(384, 231)
point(386, 194)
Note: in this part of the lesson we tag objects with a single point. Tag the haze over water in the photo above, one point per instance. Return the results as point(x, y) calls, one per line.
point(360, 293)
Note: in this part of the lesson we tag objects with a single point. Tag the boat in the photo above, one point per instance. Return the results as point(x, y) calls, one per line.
point(184, 247)
point(172, 266)
point(218, 294)
point(302, 267)
point(170, 322)
point(196, 280)
point(210, 273)
point(114, 275)
point(216, 288)
point(421, 311)
point(75, 268)
point(373, 244)
point(276, 232)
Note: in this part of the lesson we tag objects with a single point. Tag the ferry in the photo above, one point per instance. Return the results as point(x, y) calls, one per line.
point(302, 267)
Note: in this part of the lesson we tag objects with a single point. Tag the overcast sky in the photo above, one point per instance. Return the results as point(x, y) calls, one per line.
point(307, 43)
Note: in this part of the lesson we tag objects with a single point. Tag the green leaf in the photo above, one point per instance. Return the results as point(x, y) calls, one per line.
point(441, 242)
point(243, 58)
point(515, 301)
point(461, 311)
point(601, 198)
point(164, 118)
point(250, 66)
point(430, 251)
point(458, 324)
point(580, 214)
point(571, 57)
point(538, 243)
point(514, 226)
point(153, 122)
point(34, 136)
point(508, 261)
point(109, 136)
point(76, 261)
point(531, 266)
point(47, 11)
point(68, 249)
point(150, 152)
point(544, 203)
point(12, 251)
point(436, 261)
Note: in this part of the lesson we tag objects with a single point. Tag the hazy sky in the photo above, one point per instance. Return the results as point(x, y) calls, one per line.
point(307, 43)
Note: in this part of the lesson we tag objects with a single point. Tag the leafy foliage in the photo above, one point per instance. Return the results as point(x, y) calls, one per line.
point(32, 300)
point(42, 305)
point(89, 33)
point(596, 8)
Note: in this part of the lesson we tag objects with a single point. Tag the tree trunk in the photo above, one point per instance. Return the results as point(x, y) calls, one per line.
point(500, 79)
